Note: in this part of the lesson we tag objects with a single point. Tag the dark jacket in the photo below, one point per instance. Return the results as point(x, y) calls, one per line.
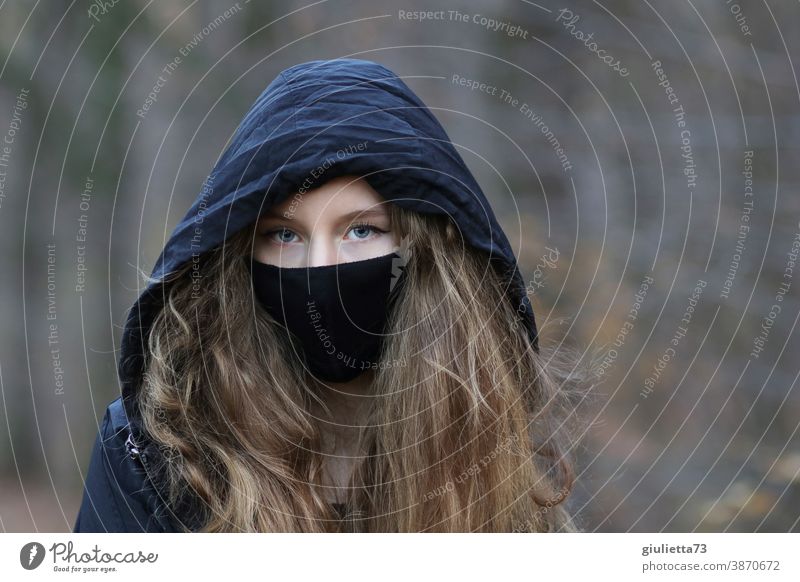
point(342, 116)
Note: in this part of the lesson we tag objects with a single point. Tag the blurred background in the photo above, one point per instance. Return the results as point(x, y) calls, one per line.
point(641, 155)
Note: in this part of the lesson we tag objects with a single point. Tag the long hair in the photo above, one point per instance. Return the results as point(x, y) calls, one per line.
point(468, 429)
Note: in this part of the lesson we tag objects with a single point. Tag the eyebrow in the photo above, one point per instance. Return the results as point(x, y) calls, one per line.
point(374, 212)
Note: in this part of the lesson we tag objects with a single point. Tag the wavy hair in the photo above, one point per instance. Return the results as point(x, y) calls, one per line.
point(472, 433)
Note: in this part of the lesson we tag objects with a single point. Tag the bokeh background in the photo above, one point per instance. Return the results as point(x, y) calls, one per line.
point(661, 183)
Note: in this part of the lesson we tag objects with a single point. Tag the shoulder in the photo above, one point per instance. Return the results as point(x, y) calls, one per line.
point(115, 412)
point(117, 494)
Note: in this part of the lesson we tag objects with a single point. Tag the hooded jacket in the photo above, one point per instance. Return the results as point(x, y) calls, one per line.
point(315, 121)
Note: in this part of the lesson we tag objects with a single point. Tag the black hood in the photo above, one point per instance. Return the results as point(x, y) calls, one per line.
point(342, 116)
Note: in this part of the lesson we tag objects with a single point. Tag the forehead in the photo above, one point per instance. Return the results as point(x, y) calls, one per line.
point(343, 196)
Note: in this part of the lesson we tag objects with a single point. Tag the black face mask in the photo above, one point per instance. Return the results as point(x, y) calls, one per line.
point(336, 313)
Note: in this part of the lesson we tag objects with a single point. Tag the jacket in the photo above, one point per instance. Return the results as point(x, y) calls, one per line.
point(319, 118)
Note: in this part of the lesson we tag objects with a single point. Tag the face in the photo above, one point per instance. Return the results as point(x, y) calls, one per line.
point(341, 221)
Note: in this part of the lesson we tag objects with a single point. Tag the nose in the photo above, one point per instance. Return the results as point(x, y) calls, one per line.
point(322, 251)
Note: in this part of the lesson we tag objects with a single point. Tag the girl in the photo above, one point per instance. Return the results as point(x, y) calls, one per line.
point(336, 337)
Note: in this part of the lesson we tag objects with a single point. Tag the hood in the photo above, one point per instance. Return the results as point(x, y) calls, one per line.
point(341, 116)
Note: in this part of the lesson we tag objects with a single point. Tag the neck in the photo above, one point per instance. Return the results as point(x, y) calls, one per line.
point(347, 403)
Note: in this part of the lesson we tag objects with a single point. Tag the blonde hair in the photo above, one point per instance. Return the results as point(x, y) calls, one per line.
point(468, 434)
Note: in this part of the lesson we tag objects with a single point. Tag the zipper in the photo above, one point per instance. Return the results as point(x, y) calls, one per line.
point(132, 449)
point(156, 507)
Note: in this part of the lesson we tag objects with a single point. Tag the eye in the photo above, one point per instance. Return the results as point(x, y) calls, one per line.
point(284, 235)
point(362, 230)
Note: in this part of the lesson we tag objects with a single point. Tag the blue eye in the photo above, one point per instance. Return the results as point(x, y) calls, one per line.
point(361, 231)
point(281, 232)
point(364, 229)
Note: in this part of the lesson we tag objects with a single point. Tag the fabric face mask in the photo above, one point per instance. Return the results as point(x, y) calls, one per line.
point(336, 313)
